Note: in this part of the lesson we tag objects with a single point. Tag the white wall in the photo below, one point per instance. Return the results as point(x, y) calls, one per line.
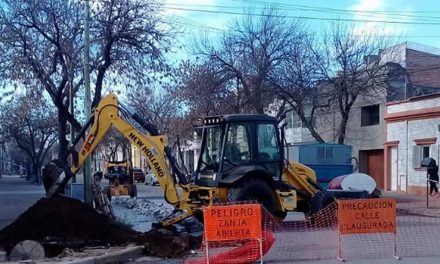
point(414, 105)
point(408, 131)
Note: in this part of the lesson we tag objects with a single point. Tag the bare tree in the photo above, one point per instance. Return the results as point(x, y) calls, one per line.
point(190, 93)
point(131, 38)
point(202, 88)
point(351, 67)
point(42, 44)
point(317, 79)
point(112, 144)
point(298, 83)
point(157, 106)
point(250, 51)
point(31, 123)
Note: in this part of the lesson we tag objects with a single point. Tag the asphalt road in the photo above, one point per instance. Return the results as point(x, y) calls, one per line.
point(16, 195)
point(151, 192)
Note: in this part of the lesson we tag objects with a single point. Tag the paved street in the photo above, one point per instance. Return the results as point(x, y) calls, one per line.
point(419, 260)
point(16, 195)
point(152, 192)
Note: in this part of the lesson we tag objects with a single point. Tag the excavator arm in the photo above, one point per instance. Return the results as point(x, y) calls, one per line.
point(154, 147)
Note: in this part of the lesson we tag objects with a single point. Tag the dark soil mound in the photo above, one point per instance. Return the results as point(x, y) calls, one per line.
point(67, 221)
point(61, 222)
point(168, 244)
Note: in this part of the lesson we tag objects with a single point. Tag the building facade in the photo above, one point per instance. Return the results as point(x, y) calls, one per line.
point(413, 129)
point(415, 73)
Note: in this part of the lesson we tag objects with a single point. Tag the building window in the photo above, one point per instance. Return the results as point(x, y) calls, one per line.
point(422, 150)
point(325, 153)
point(419, 153)
point(370, 115)
point(425, 151)
point(294, 121)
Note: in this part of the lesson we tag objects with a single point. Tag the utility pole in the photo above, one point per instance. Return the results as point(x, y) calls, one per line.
point(72, 112)
point(88, 192)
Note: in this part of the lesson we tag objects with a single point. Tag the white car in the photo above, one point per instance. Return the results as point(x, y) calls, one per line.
point(150, 179)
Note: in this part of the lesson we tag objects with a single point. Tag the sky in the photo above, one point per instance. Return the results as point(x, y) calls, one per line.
point(408, 20)
point(415, 21)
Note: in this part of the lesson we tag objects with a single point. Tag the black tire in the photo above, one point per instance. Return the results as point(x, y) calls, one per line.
point(253, 189)
point(320, 200)
point(133, 190)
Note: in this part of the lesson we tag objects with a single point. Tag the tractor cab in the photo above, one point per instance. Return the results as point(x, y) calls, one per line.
point(239, 146)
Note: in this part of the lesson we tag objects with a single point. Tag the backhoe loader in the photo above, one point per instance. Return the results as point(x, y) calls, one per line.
point(120, 177)
point(241, 159)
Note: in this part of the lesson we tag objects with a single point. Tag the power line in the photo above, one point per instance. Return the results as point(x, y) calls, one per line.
point(367, 13)
point(336, 9)
point(194, 24)
point(302, 17)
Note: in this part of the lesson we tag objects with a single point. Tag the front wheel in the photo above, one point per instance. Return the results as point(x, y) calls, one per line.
point(254, 189)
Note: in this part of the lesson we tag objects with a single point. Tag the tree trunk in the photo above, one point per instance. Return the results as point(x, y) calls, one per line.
point(35, 173)
point(342, 128)
point(28, 169)
point(62, 141)
point(316, 135)
point(311, 129)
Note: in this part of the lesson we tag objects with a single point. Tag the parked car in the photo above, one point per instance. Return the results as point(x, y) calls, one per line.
point(138, 175)
point(150, 179)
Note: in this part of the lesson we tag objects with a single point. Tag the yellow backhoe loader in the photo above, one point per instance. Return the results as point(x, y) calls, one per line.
point(241, 158)
point(120, 177)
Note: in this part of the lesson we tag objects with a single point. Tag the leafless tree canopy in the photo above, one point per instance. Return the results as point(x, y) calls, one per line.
point(42, 44)
point(31, 123)
point(113, 143)
point(352, 67)
point(297, 80)
point(272, 56)
point(250, 51)
point(258, 59)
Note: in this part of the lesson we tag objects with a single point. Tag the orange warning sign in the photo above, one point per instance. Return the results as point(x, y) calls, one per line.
point(367, 216)
point(232, 222)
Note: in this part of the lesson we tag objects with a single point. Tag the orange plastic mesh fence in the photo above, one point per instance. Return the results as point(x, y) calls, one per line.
point(317, 238)
point(416, 236)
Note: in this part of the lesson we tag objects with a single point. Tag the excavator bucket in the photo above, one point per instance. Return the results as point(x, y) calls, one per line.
point(53, 176)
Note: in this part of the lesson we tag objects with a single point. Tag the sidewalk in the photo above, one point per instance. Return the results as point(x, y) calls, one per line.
point(417, 260)
point(408, 204)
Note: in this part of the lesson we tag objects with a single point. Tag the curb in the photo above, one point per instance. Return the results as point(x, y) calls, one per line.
point(113, 257)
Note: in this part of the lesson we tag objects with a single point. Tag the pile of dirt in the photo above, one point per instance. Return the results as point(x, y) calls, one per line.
point(62, 221)
point(168, 244)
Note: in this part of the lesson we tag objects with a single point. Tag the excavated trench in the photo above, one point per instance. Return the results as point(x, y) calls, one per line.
point(61, 222)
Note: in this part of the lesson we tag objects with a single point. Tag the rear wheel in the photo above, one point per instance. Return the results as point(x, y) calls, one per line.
point(256, 190)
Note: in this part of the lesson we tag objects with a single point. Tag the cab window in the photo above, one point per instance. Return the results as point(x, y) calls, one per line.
point(268, 148)
point(237, 145)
